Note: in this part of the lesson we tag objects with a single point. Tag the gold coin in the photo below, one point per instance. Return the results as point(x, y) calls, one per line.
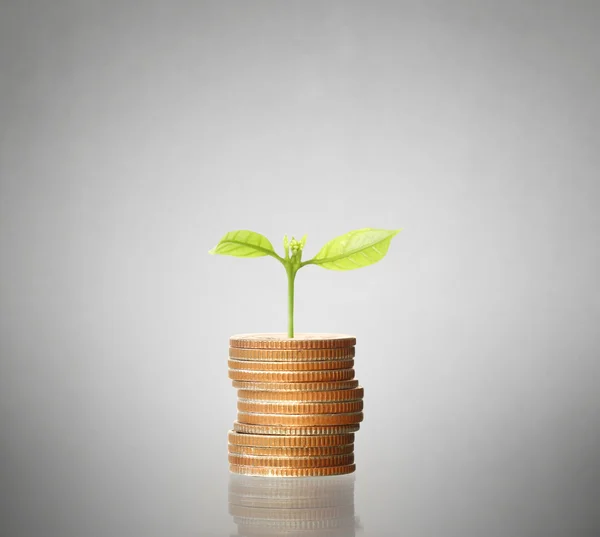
point(329, 375)
point(296, 420)
point(290, 451)
point(295, 386)
point(299, 341)
point(355, 394)
point(294, 430)
point(249, 365)
point(263, 440)
point(291, 355)
point(287, 407)
point(291, 472)
point(295, 515)
point(292, 462)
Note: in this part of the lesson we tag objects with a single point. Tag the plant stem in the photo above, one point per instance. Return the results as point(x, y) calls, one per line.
point(291, 274)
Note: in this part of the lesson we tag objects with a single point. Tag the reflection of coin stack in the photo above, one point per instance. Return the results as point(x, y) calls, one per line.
point(298, 404)
point(316, 507)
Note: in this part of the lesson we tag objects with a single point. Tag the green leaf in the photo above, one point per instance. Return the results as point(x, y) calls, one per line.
point(356, 249)
point(244, 243)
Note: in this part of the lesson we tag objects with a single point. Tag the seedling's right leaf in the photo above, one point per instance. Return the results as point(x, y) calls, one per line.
point(244, 243)
point(356, 249)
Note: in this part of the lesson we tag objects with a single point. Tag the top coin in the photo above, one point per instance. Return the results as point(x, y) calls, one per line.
point(279, 340)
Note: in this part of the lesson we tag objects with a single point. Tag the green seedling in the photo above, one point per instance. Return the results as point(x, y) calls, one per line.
point(356, 249)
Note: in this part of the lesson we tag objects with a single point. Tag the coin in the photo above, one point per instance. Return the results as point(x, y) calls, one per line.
point(299, 341)
point(293, 430)
point(354, 394)
point(287, 407)
point(291, 472)
point(294, 386)
point(249, 365)
point(298, 419)
point(290, 451)
point(262, 440)
point(292, 462)
point(291, 355)
point(292, 376)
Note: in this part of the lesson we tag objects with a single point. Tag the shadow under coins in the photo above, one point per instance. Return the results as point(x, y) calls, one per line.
point(307, 507)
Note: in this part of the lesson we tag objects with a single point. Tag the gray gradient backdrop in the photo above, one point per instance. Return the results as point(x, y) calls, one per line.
point(134, 134)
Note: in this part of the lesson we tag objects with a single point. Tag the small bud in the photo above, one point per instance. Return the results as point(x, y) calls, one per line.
point(303, 242)
point(286, 246)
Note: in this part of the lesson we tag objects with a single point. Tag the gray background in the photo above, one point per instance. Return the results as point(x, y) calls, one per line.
point(133, 135)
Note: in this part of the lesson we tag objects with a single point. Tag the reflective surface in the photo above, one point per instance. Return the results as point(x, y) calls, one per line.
point(310, 507)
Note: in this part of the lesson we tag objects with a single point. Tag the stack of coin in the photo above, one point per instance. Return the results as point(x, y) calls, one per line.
point(299, 404)
point(293, 507)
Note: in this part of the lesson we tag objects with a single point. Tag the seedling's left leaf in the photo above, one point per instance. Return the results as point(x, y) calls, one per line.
point(244, 243)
